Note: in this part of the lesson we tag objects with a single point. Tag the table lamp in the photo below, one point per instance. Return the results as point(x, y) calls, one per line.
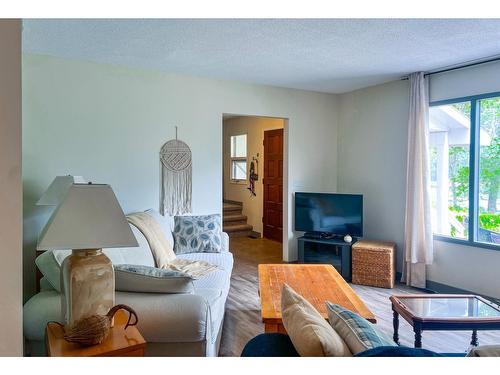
point(87, 219)
point(58, 189)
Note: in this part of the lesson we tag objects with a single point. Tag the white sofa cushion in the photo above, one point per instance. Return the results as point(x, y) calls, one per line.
point(133, 255)
point(221, 260)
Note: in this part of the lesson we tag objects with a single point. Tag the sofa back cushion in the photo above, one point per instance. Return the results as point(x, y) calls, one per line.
point(166, 223)
point(49, 263)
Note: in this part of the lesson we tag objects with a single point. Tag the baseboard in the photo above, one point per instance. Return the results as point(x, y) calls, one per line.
point(435, 287)
point(255, 234)
point(443, 288)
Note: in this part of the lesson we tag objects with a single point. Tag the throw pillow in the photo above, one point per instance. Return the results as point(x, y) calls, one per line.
point(358, 333)
point(145, 279)
point(197, 234)
point(485, 351)
point(310, 333)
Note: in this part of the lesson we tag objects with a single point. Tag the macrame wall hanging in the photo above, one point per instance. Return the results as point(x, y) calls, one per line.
point(176, 177)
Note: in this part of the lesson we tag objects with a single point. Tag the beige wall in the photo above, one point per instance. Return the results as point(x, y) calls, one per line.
point(10, 189)
point(254, 128)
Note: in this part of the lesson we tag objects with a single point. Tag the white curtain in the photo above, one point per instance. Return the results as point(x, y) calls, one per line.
point(418, 229)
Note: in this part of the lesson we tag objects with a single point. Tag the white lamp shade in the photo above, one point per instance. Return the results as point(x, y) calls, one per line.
point(89, 217)
point(58, 189)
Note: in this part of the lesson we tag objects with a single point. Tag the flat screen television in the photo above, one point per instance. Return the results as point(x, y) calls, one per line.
point(329, 214)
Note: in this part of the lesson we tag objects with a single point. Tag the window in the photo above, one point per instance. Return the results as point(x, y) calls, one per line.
point(239, 157)
point(465, 169)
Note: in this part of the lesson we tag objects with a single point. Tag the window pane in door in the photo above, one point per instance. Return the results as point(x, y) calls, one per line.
point(239, 146)
point(489, 171)
point(449, 144)
point(239, 170)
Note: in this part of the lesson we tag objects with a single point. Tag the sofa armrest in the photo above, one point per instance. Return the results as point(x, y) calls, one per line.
point(169, 317)
point(225, 243)
point(40, 309)
point(162, 317)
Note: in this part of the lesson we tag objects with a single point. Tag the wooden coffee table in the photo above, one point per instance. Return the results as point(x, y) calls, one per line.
point(317, 283)
point(444, 312)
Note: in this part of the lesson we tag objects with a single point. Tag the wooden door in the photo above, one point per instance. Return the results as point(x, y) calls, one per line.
point(273, 185)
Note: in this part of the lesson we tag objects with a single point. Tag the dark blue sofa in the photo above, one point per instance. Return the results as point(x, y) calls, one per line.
point(280, 345)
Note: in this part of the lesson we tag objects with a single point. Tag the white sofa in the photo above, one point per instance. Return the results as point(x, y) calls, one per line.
point(172, 324)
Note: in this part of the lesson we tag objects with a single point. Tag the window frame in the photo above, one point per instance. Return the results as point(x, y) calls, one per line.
point(474, 158)
point(238, 158)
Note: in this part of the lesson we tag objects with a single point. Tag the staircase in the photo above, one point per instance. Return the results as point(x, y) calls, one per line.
point(234, 222)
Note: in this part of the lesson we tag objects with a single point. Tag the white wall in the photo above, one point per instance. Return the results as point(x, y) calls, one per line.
point(107, 123)
point(372, 157)
point(254, 128)
point(372, 160)
point(11, 337)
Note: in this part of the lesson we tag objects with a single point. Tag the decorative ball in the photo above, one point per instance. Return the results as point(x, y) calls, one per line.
point(348, 238)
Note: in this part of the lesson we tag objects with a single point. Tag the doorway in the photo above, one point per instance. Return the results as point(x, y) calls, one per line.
point(253, 176)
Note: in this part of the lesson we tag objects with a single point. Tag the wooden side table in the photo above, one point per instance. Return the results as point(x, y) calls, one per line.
point(119, 343)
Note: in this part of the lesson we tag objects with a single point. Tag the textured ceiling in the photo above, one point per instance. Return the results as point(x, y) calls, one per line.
point(330, 55)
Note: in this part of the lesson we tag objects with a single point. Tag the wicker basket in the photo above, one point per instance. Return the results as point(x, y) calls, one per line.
point(374, 263)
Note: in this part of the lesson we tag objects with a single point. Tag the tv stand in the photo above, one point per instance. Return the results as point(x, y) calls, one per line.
point(334, 251)
point(322, 235)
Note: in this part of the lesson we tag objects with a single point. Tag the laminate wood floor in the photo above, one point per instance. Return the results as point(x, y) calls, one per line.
point(243, 320)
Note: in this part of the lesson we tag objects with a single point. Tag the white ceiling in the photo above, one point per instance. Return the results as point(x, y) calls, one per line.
point(329, 55)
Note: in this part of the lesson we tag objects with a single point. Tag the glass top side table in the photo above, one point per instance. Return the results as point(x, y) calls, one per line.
point(444, 312)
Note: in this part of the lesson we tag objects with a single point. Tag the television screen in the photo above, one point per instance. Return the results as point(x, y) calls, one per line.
point(338, 214)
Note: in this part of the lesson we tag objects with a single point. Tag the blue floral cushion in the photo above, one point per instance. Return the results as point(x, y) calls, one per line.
point(197, 234)
point(145, 279)
point(357, 332)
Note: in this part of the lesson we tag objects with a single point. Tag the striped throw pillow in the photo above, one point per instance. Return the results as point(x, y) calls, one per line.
point(357, 332)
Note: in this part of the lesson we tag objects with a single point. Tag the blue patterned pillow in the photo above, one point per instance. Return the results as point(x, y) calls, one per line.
point(197, 234)
point(145, 279)
point(357, 332)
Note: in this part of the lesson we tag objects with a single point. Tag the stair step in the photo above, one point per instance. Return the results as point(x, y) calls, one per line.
point(244, 233)
point(234, 223)
point(242, 219)
point(229, 207)
point(229, 228)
